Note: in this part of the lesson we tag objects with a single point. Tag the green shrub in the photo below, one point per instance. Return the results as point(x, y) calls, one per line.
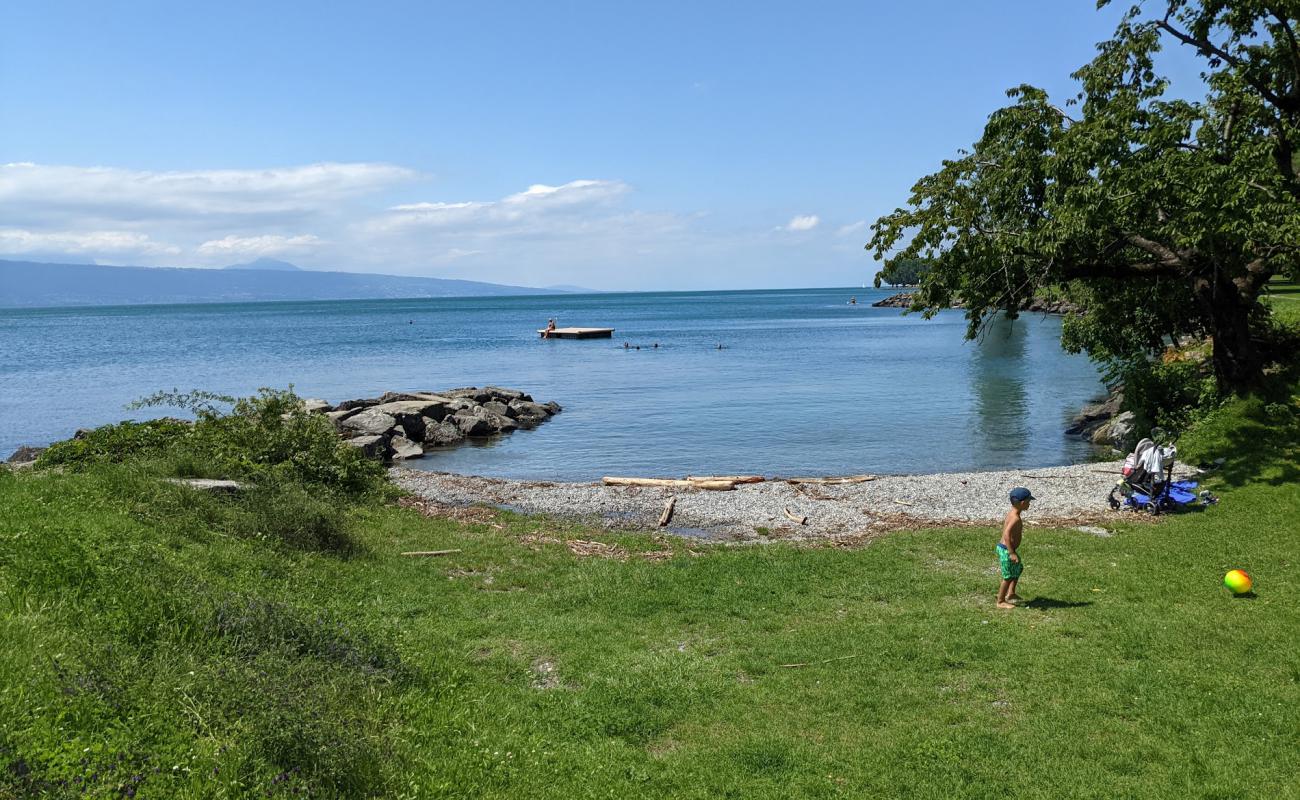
point(268, 437)
point(1171, 395)
point(123, 441)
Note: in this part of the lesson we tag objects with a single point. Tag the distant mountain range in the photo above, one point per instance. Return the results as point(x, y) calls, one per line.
point(30, 284)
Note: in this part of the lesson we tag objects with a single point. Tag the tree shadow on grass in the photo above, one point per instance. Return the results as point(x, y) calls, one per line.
point(1043, 603)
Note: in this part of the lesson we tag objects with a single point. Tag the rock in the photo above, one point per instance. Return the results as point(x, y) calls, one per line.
point(411, 426)
point(471, 424)
point(313, 405)
point(901, 300)
point(1118, 432)
point(479, 396)
point(500, 422)
point(347, 405)
point(531, 414)
point(25, 454)
point(436, 409)
point(369, 423)
point(498, 407)
point(337, 417)
point(373, 446)
point(208, 485)
point(405, 448)
point(505, 395)
point(552, 406)
point(397, 397)
point(441, 434)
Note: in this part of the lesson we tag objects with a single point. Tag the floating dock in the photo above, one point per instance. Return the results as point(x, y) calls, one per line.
point(577, 333)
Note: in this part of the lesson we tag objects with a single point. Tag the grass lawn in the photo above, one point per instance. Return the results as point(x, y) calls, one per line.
point(142, 653)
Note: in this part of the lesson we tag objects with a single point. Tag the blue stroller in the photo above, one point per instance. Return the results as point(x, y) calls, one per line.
point(1148, 485)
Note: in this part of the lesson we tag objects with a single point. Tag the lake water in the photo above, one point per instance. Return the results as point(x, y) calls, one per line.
point(805, 383)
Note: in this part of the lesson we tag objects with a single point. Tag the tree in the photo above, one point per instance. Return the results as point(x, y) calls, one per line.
point(903, 272)
point(1165, 217)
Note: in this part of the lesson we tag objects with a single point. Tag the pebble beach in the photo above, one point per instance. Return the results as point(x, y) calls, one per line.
point(1069, 496)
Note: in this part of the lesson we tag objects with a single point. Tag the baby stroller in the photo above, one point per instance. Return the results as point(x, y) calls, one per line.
point(1148, 485)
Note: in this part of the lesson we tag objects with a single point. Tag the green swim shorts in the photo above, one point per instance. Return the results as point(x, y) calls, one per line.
point(1010, 569)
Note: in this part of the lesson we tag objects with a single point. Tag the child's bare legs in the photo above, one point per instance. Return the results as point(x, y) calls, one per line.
point(1003, 593)
point(1011, 591)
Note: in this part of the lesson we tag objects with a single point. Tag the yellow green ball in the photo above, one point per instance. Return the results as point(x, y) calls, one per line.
point(1238, 581)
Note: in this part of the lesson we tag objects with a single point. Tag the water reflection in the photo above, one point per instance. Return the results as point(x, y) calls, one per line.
point(998, 374)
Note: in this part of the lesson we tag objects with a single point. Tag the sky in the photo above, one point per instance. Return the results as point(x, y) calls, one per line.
point(610, 145)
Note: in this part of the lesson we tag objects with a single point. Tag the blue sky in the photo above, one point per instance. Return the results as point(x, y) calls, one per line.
point(665, 145)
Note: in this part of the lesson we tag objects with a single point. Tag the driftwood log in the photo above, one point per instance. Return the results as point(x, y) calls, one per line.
point(669, 483)
point(833, 481)
point(665, 517)
point(797, 519)
point(729, 478)
point(431, 552)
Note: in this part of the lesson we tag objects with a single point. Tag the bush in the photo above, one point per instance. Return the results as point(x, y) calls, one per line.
point(268, 437)
point(116, 443)
point(1173, 395)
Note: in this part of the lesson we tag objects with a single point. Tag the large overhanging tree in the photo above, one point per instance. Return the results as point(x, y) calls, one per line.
point(1165, 217)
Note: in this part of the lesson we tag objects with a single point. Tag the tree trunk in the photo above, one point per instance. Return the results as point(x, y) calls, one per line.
point(1238, 363)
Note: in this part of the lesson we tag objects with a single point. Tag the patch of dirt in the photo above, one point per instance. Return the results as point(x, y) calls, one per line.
point(545, 675)
point(470, 514)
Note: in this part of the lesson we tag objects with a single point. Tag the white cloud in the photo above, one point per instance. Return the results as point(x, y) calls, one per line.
point(803, 223)
point(108, 193)
point(16, 241)
point(511, 213)
point(851, 228)
point(259, 246)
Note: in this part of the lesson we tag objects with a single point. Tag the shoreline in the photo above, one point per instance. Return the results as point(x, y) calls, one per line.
point(1068, 496)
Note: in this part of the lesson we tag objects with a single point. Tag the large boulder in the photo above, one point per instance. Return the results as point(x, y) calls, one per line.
point(411, 426)
point(498, 407)
point(337, 417)
point(1118, 432)
point(403, 447)
point(530, 413)
point(347, 405)
point(442, 434)
point(470, 393)
point(313, 405)
point(472, 424)
point(436, 409)
point(369, 423)
point(372, 446)
point(500, 422)
point(24, 454)
point(506, 395)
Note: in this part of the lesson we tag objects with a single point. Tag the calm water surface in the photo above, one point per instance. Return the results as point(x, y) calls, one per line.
point(805, 383)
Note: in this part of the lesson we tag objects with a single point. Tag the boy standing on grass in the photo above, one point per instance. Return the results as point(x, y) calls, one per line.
point(1008, 557)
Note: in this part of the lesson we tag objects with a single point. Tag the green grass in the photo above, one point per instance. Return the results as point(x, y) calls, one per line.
point(141, 649)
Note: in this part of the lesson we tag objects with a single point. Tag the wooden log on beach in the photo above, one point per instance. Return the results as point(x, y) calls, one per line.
point(667, 516)
point(735, 479)
point(833, 481)
point(670, 483)
point(797, 519)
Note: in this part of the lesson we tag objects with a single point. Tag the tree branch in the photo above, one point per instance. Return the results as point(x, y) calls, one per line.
point(1165, 256)
point(1208, 48)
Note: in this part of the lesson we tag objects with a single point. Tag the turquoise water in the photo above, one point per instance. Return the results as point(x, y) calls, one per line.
point(805, 383)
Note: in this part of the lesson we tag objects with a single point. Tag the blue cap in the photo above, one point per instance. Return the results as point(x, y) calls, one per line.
point(1020, 494)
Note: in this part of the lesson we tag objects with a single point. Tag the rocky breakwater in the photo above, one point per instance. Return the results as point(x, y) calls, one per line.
point(1040, 305)
point(402, 425)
